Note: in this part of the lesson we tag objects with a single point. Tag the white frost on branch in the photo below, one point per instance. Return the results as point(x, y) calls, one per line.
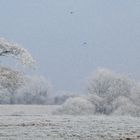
point(15, 50)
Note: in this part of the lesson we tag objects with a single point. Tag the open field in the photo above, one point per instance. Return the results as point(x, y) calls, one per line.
point(37, 123)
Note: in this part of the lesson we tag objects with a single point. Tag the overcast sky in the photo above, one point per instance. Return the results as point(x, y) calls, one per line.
point(72, 38)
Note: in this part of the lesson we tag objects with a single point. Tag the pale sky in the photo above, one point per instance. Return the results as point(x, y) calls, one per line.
point(72, 38)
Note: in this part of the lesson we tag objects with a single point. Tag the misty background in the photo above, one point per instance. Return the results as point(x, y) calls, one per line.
point(71, 39)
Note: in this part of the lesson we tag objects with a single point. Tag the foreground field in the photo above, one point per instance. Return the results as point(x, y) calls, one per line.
point(38, 123)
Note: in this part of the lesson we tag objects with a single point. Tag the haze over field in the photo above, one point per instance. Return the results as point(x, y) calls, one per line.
point(71, 39)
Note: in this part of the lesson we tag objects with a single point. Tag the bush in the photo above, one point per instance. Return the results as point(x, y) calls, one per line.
point(127, 110)
point(76, 106)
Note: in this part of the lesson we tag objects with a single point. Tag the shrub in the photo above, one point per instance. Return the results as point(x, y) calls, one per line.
point(76, 106)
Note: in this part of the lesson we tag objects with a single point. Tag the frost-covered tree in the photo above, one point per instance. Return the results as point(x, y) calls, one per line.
point(108, 86)
point(11, 80)
point(16, 87)
point(36, 90)
point(125, 106)
point(13, 49)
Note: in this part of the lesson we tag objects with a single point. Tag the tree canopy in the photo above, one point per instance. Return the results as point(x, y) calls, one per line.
point(8, 48)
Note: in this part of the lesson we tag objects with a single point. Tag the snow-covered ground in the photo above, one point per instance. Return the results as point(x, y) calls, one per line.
point(21, 122)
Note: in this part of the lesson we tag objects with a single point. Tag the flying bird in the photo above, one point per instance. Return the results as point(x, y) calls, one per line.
point(72, 12)
point(84, 43)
